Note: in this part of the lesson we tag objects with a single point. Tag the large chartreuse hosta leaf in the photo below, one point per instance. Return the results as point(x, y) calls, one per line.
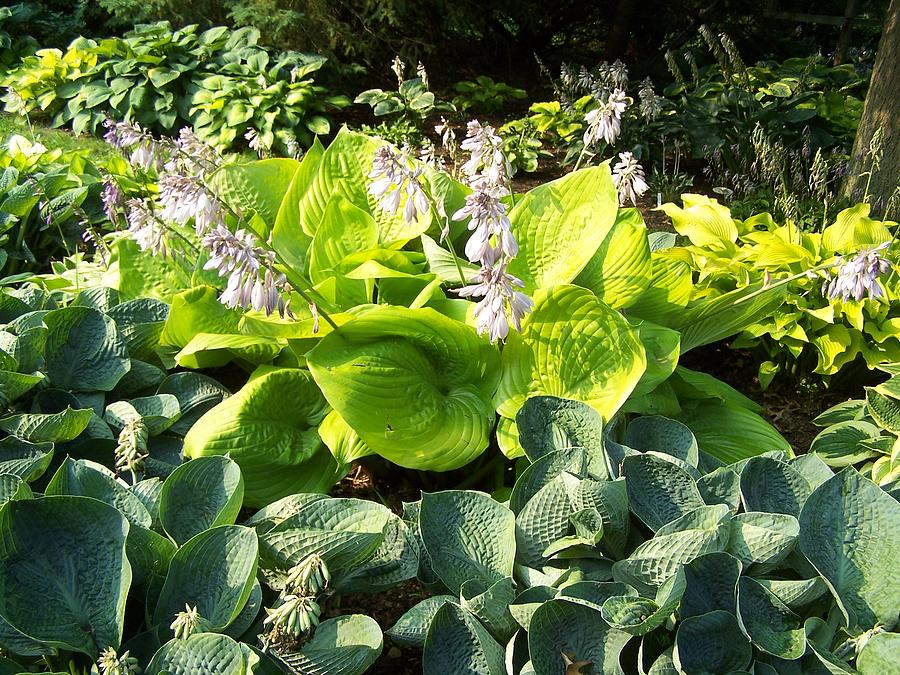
point(64, 576)
point(571, 346)
point(560, 226)
point(415, 385)
point(269, 428)
point(702, 220)
point(256, 187)
point(850, 531)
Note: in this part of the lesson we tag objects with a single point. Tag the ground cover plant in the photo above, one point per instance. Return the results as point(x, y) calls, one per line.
point(377, 399)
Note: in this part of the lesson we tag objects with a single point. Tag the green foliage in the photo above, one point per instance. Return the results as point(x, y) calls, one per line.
point(810, 332)
point(719, 585)
point(220, 81)
point(484, 95)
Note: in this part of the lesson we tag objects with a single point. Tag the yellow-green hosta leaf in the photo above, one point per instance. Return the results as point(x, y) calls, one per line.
point(853, 229)
point(669, 290)
point(415, 385)
point(270, 428)
point(288, 237)
point(345, 229)
point(730, 433)
point(256, 187)
point(621, 269)
point(702, 220)
point(560, 225)
point(344, 443)
point(571, 346)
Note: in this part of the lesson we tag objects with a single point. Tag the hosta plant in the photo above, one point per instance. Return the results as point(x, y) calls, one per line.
point(624, 548)
point(844, 310)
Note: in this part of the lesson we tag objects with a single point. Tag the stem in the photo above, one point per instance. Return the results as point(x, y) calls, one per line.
point(293, 278)
point(786, 280)
point(448, 240)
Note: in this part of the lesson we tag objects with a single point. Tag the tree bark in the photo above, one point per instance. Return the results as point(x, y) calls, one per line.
point(881, 112)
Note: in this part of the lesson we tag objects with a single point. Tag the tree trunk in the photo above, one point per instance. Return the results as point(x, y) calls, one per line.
point(881, 112)
point(843, 45)
point(617, 40)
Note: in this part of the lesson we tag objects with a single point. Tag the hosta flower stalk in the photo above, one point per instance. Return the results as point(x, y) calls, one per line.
point(131, 450)
point(628, 177)
point(187, 623)
point(858, 277)
point(110, 663)
point(309, 577)
point(500, 303)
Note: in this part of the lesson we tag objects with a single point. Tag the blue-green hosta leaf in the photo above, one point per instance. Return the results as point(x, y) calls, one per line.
point(639, 616)
point(12, 487)
point(415, 385)
point(560, 629)
point(159, 412)
point(78, 477)
point(850, 532)
point(560, 225)
point(542, 471)
point(26, 460)
point(773, 486)
point(762, 540)
point(721, 486)
point(249, 613)
point(710, 584)
point(214, 572)
point(572, 346)
point(52, 427)
point(704, 530)
point(659, 491)
point(140, 324)
point(84, 351)
point(411, 629)
point(149, 554)
point(879, 656)
point(65, 554)
point(201, 494)
point(278, 511)
point(209, 653)
point(16, 385)
point(394, 561)
point(768, 623)
point(256, 187)
point(710, 644)
point(345, 532)
point(548, 423)
point(812, 468)
point(269, 428)
point(731, 433)
point(543, 521)
point(196, 394)
point(340, 438)
point(660, 434)
point(458, 643)
point(345, 645)
point(528, 601)
point(621, 269)
point(795, 593)
point(468, 536)
point(610, 500)
point(491, 607)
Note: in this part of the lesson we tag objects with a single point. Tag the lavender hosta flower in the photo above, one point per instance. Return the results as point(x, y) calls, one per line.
point(500, 303)
point(488, 219)
point(487, 160)
point(146, 228)
point(183, 198)
point(628, 177)
point(393, 176)
point(252, 280)
point(193, 156)
point(123, 135)
point(257, 143)
point(858, 277)
point(112, 199)
point(605, 121)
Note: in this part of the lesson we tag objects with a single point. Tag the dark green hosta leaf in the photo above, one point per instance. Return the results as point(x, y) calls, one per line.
point(209, 653)
point(270, 429)
point(773, 486)
point(768, 622)
point(850, 531)
point(711, 644)
point(660, 434)
point(64, 577)
point(412, 628)
point(78, 477)
point(16, 385)
point(140, 324)
point(762, 540)
point(468, 535)
point(26, 460)
point(271, 515)
point(345, 532)
point(213, 572)
point(201, 494)
point(12, 488)
point(731, 432)
point(196, 394)
point(548, 423)
point(415, 385)
point(458, 643)
point(710, 584)
point(879, 656)
point(249, 613)
point(704, 530)
point(345, 645)
point(659, 491)
point(84, 350)
point(721, 486)
point(149, 554)
point(560, 627)
point(55, 428)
